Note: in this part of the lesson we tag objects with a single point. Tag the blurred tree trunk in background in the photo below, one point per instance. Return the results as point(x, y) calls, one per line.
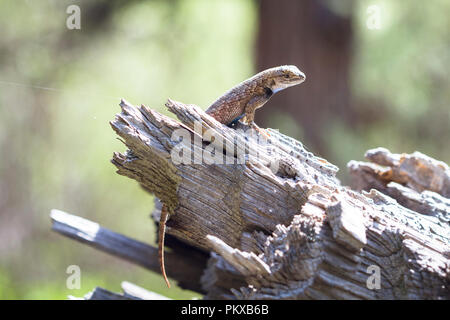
point(318, 40)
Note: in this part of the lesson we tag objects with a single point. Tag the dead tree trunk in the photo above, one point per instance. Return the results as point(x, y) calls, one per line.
point(278, 223)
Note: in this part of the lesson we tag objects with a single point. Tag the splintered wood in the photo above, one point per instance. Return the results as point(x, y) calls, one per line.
point(271, 220)
point(294, 232)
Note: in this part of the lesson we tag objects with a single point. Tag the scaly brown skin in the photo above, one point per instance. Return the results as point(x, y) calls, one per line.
point(240, 101)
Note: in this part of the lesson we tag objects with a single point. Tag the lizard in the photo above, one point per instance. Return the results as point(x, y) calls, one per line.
point(240, 102)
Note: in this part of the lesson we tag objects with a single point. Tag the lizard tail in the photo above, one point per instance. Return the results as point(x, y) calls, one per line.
point(162, 230)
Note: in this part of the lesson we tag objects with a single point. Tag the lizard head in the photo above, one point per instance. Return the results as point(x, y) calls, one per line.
point(287, 76)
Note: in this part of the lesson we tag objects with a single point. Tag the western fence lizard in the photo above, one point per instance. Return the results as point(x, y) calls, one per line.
point(239, 102)
point(242, 100)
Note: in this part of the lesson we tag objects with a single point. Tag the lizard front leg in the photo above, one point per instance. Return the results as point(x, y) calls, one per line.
point(249, 111)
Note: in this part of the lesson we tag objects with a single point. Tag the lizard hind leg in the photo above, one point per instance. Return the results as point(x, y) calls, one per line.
point(162, 231)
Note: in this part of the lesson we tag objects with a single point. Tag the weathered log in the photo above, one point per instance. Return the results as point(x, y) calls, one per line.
point(280, 223)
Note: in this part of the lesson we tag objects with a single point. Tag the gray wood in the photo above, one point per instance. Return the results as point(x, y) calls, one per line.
point(130, 292)
point(135, 292)
point(416, 181)
point(185, 269)
point(279, 225)
point(295, 233)
point(103, 294)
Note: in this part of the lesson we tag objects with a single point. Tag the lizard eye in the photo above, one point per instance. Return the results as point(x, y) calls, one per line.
point(287, 75)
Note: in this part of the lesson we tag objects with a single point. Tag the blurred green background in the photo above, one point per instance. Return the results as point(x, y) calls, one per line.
point(59, 89)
